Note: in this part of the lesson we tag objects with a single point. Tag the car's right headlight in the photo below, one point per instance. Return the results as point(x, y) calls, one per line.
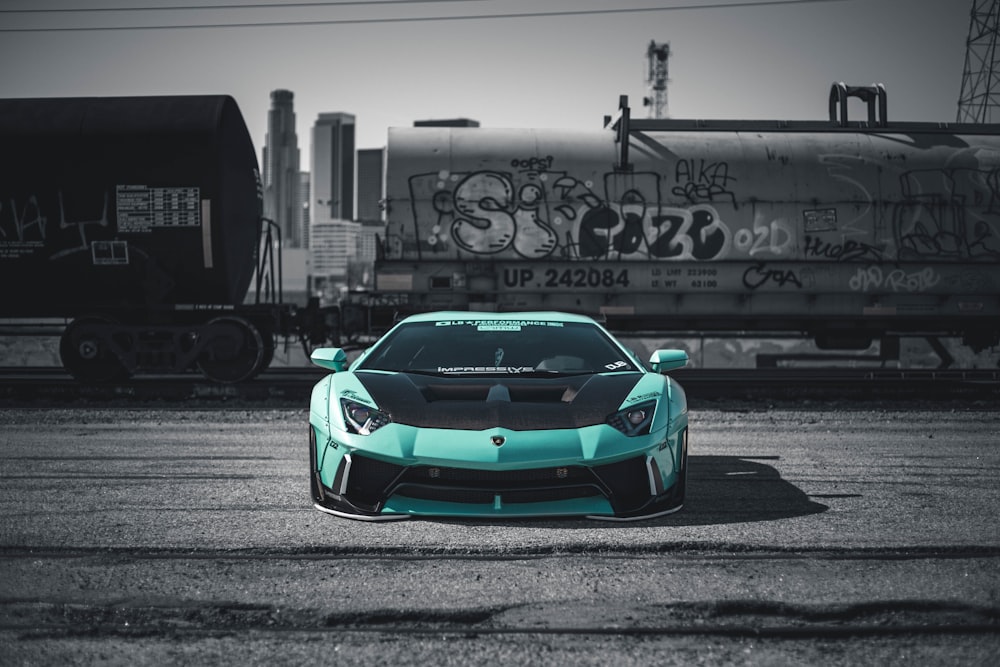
point(362, 419)
point(635, 419)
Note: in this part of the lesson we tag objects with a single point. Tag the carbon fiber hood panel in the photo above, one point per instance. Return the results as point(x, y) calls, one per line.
point(518, 404)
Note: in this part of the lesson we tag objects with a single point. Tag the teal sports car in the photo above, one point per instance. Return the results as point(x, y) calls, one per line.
point(498, 415)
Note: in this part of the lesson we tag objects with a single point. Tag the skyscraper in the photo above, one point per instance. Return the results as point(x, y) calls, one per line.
point(370, 168)
point(304, 198)
point(332, 195)
point(282, 200)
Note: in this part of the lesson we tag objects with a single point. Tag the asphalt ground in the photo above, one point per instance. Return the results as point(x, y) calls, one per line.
point(821, 534)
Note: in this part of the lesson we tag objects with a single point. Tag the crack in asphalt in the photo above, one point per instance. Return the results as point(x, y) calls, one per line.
point(703, 550)
point(31, 620)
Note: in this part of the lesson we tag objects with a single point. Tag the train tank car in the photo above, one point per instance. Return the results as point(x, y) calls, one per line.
point(138, 220)
point(842, 230)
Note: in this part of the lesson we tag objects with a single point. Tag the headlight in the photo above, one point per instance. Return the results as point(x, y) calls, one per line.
point(635, 419)
point(362, 419)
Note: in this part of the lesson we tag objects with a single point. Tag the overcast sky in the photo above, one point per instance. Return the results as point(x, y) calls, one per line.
point(759, 61)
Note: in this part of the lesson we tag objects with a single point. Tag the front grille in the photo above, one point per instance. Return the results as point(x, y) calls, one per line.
point(370, 483)
point(549, 495)
point(466, 496)
point(467, 485)
point(497, 478)
point(479, 497)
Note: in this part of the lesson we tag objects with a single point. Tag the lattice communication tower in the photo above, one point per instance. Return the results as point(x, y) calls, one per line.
point(979, 98)
point(656, 79)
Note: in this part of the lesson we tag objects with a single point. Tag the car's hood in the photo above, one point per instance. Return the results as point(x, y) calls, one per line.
point(506, 402)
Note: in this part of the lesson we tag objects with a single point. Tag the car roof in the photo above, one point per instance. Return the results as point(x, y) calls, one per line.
point(541, 316)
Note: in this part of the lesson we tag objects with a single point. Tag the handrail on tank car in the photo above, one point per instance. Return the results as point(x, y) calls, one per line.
point(874, 96)
point(265, 278)
point(621, 122)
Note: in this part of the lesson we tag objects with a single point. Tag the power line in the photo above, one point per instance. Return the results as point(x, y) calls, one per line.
point(425, 19)
point(263, 5)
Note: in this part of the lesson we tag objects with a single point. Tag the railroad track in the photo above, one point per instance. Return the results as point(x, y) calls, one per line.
point(291, 386)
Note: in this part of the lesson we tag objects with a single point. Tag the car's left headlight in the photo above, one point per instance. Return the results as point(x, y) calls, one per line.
point(635, 419)
point(362, 419)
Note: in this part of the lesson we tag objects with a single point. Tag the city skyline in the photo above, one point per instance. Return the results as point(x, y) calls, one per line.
point(421, 60)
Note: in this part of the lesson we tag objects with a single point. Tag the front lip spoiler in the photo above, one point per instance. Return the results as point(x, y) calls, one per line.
point(641, 517)
point(362, 517)
point(377, 518)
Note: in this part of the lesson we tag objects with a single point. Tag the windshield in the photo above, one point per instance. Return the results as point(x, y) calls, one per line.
point(486, 347)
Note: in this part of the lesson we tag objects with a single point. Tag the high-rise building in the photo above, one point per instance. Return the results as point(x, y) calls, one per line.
point(282, 200)
point(332, 196)
point(334, 247)
point(304, 199)
point(371, 163)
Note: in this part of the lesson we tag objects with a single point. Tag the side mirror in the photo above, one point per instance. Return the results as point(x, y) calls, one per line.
point(331, 358)
point(668, 360)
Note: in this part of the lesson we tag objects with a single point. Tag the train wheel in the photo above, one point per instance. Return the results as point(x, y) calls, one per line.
point(233, 350)
point(86, 354)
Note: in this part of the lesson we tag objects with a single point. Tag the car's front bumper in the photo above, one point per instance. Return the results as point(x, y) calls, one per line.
point(357, 484)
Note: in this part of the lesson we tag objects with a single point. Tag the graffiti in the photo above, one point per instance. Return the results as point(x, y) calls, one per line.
point(489, 212)
point(948, 213)
point(534, 238)
point(760, 274)
point(897, 280)
point(25, 221)
point(856, 173)
point(776, 238)
point(696, 233)
point(701, 181)
point(688, 211)
point(605, 230)
point(81, 227)
point(848, 251)
point(29, 233)
point(534, 163)
point(484, 222)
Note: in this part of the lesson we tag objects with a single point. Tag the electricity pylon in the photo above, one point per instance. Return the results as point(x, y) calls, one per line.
point(979, 98)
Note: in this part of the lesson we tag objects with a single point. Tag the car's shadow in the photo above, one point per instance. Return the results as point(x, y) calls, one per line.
point(720, 490)
point(733, 489)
